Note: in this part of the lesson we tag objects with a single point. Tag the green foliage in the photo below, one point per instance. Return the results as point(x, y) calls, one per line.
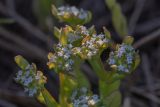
point(6, 21)
point(42, 10)
point(118, 19)
point(110, 94)
point(78, 44)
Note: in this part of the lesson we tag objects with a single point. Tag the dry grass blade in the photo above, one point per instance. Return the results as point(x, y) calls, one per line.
point(147, 39)
point(24, 23)
point(23, 43)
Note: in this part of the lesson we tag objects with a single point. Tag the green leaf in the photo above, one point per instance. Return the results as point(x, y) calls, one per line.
point(88, 19)
point(118, 19)
point(110, 94)
point(107, 33)
point(114, 100)
point(108, 88)
point(80, 77)
point(42, 11)
point(21, 62)
point(92, 30)
point(57, 32)
point(137, 61)
point(110, 3)
point(48, 99)
point(98, 67)
point(54, 10)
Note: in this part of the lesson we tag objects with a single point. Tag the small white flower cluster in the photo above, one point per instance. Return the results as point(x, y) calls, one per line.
point(80, 98)
point(62, 57)
point(32, 80)
point(123, 58)
point(83, 30)
point(72, 11)
point(92, 45)
point(80, 42)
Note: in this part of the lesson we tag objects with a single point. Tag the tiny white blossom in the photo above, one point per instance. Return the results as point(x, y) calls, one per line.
point(123, 57)
point(80, 98)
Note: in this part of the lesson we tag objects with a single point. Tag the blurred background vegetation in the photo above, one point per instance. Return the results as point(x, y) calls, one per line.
point(26, 28)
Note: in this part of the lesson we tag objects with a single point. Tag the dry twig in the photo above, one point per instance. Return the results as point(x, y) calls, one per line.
point(23, 43)
point(147, 39)
point(136, 14)
point(148, 77)
point(144, 94)
point(24, 23)
point(18, 99)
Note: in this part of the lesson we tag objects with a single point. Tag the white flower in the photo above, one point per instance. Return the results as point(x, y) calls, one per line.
point(27, 81)
point(80, 13)
point(84, 90)
point(80, 98)
point(84, 105)
point(123, 57)
point(32, 80)
point(62, 57)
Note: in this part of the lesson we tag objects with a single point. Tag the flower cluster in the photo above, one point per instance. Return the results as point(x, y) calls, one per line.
point(81, 98)
point(78, 41)
point(91, 45)
point(32, 80)
point(61, 60)
point(122, 58)
point(71, 14)
point(67, 11)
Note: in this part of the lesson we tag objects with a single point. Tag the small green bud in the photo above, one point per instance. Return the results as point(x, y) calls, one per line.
point(107, 33)
point(57, 32)
point(128, 40)
point(21, 62)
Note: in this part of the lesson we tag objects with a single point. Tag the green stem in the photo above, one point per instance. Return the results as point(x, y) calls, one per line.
point(108, 87)
point(109, 93)
point(63, 98)
point(80, 77)
point(67, 84)
point(98, 67)
point(48, 99)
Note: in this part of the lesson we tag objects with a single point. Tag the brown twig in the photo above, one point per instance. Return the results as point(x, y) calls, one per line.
point(148, 26)
point(24, 23)
point(10, 4)
point(148, 76)
point(144, 94)
point(23, 43)
point(11, 47)
point(127, 102)
point(147, 39)
point(136, 14)
point(6, 104)
point(18, 99)
point(138, 103)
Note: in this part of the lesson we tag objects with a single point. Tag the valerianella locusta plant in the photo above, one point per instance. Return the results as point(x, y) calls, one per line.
point(78, 44)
